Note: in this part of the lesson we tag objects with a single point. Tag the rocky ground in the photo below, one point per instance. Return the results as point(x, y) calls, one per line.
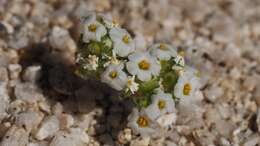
point(43, 103)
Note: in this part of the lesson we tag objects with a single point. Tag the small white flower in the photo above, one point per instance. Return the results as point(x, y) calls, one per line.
point(132, 85)
point(114, 76)
point(140, 123)
point(112, 60)
point(143, 65)
point(92, 62)
point(79, 58)
point(161, 84)
point(179, 60)
point(123, 43)
point(163, 51)
point(186, 86)
point(110, 22)
point(178, 69)
point(92, 29)
point(162, 103)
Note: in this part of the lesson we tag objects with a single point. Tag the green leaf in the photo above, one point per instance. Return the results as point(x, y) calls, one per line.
point(94, 48)
point(142, 102)
point(148, 86)
point(169, 81)
point(166, 66)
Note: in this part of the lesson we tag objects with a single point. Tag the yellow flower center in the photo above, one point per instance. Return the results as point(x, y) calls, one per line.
point(129, 82)
point(126, 39)
point(92, 27)
point(142, 121)
point(198, 74)
point(161, 104)
point(187, 89)
point(144, 65)
point(162, 46)
point(113, 74)
point(182, 53)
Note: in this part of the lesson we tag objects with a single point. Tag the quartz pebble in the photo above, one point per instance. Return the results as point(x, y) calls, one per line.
point(43, 143)
point(15, 70)
point(29, 120)
point(66, 121)
point(124, 136)
point(140, 142)
point(3, 74)
point(48, 128)
point(32, 73)
point(4, 100)
point(60, 39)
point(213, 93)
point(15, 136)
point(167, 120)
point(28, 92)
point(258, 119)
point(75, 137)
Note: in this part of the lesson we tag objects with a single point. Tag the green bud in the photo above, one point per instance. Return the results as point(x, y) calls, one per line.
point(142, 102)
point(169, 81)
point(148, 86)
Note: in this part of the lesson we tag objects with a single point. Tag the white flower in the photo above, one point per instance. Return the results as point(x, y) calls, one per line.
point(92, 29)
point(163, 51)
point(179, 60)
point(162, 103)
point(186, 86)
point(114, 76)
point(110, 22)
point(140, 123)
point(79, 57)
point(178, 69)
point(143, 65)
point(112, 60)
point(132, 85)
point(161, 83)
point(123, 43)
point(92, 62)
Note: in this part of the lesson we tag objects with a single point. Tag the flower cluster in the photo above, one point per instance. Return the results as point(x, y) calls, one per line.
point(155, 79)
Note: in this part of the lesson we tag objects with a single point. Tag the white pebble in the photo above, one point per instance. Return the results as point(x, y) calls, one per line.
point(15, 70)
point(75, 137)
point(32, 73)
point(48, 128)
point(29, 120)
point(4, 100)
point(15, 136)
point(167, 120)
point(28, 92)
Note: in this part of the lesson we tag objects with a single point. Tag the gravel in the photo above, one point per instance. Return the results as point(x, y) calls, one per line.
point(43, 103)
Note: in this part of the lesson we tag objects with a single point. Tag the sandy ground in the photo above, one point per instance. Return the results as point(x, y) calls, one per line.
point(43, 103)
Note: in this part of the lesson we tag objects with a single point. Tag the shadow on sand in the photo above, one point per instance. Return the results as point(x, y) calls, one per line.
point(59, 83)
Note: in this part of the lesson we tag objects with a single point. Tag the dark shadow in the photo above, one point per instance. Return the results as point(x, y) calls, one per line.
point(59, 83)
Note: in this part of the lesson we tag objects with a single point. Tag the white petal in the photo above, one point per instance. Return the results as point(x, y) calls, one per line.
point(132, 68)
point(144, 75)
point(152, 111)
point(116, 33)
point(155, 69)
point(101, 31)
point(136, 57)
point(163, 55)
point(121, 49)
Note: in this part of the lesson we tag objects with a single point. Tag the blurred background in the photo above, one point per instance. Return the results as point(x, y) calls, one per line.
point(42, 102)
